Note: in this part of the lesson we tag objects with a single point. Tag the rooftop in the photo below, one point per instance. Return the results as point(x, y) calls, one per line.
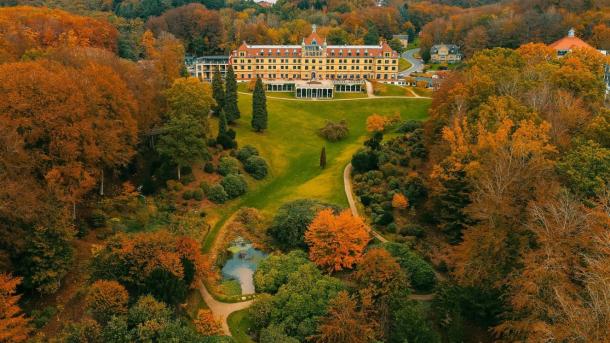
point(570, 42)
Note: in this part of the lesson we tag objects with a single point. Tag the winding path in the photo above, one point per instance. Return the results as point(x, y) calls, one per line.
point(347, 184)
point(222, 310)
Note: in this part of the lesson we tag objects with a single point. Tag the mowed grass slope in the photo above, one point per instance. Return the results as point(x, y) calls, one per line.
point(292, 148)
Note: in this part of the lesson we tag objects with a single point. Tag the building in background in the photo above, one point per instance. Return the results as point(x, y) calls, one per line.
point(445, 53)
point(570, 42)
point(204, 67)
point(314, 59)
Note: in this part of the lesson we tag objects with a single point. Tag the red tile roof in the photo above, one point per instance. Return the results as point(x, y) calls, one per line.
point(569, 43)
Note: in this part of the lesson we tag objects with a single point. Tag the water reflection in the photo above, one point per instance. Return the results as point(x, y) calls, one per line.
point(243, 263)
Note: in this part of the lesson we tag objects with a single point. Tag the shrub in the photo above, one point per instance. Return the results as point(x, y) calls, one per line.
point(334, 131)
point(204, 186)
point(409, 126)
point(228, 165)
point(420, 272)
point(217, 194)
point(208, 167)
point(364, 160)
point(246, 152)
point(257, 167)
point(198, 194)
point(234, 185)
point(187, 195)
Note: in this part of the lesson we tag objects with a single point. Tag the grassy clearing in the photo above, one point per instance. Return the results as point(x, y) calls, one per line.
point(421, 91)
point(240, 324)
point(392, 90)
point(403, 64)
point(230, 288)
point(292, 148)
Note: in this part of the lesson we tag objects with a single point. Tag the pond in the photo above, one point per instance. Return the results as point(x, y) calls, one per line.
point(243, 263)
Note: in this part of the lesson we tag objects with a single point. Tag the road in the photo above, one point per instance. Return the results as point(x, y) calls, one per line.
point(417, 65)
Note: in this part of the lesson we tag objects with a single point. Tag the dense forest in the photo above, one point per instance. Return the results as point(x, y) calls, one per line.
point(114, 174)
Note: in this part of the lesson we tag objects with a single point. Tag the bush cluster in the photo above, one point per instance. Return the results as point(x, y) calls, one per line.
point(257, 167)
point(234, 185)
point(228, 165)
point(217, 194)
point(334, 131)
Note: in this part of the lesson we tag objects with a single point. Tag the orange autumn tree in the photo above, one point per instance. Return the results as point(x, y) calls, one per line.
point(336, 242)
point(206, 324)
point(345, 323)
point(106, 299)
point(14, 327)
point(376, 123)
point(399, 201)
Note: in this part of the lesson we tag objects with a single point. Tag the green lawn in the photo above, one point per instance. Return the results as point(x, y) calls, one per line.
point(292, 149)
point(403, 64)
point(239, 324)
point(393, 90)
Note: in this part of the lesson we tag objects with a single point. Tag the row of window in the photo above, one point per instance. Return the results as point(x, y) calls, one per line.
point(310, 53)
point(328, 60)
point(294, 67)
point(328, 77)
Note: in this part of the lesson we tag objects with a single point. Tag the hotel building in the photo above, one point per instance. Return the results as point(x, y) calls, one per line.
point(314, 59)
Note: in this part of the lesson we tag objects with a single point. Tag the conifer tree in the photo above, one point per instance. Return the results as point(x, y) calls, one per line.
point(218, 91)
point(230, 100)
point(323, 158)
point(226, 136)
point(259, 107)
point(222, 124)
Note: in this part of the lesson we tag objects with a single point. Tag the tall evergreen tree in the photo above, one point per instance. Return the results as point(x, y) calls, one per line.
point(230, 101)
point(218, 92)
point(226, 136)
point(259, 107)
point(222, 124)
point(323, 158)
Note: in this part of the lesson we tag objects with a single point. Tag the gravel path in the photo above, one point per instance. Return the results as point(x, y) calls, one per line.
point(222, 310)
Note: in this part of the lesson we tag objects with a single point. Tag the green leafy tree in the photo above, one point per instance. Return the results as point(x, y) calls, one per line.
point(230, 103)
point(408, 323)
point(396, 45)
point(48, 256)
point(183, 141)
point(218, 91)
point(259, 107)
point(291, 222)
point(372, 36)
point(299, 303)
point(586, 168)
point(274, 270)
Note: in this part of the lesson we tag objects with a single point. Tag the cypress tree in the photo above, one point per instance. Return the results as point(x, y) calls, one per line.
point(323, 158)
point(218, 92)
point(230, 101)
point(222, 124)
point(259, 107)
